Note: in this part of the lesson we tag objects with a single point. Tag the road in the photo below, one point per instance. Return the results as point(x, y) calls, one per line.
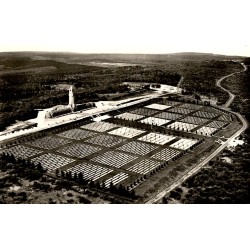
point(231, 96)
point(66, 119)
point(215, 153)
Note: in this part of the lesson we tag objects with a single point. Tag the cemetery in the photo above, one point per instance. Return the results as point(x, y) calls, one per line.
point(126, 146)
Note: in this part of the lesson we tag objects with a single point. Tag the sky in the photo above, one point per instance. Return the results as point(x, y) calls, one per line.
point(126, 26)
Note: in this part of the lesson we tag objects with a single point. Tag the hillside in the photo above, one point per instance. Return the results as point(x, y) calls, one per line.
point(129, 58)
point(28, 83)
point(30, 80)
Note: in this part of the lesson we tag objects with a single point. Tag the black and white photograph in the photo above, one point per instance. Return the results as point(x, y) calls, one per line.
point(120, 105)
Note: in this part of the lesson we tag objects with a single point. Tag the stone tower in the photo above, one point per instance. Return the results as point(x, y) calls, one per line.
point(71, 98)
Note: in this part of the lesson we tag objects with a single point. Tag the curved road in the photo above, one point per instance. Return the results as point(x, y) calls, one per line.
point(216, 152)
point(231, 96)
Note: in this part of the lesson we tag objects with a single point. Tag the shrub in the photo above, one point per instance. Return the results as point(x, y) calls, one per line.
point(175, 195)
point(84, 200)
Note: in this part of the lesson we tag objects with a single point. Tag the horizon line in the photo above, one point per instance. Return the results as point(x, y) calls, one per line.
point(119, 53)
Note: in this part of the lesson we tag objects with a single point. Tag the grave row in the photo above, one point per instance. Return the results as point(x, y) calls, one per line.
point(79, 150)
point(168, 116)
point(217, 124)
point(178, 110)
point(166, 154)
point(194, 120)
point(157, 138)
point(143, 167)
point(89, 171)
point(136, 147)
point(114, 158)
point(116, 179)
point(155, 121)
point(77, 134)
point(48, 142)
point(51, 161)
point(21, 151)
point(206, 131)
point(208, 115)
point(190, 106)
point(129, 116)
point(158, 106)
point(126, 132)
point(182, 126)
point(105, 140)
point(99, 126)
point(144, 111)
point(183, 144)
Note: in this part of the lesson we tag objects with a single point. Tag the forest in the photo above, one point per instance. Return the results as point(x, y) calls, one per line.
point(22, 91)
point(222, 181)
point(200, 77)
point(27, 84)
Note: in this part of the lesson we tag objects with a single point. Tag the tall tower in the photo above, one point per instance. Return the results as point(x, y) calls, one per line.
point(71, 98)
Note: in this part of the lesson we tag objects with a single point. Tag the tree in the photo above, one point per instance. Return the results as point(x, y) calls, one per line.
point(63, 174)
point(75, 177)
point(80, 178)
